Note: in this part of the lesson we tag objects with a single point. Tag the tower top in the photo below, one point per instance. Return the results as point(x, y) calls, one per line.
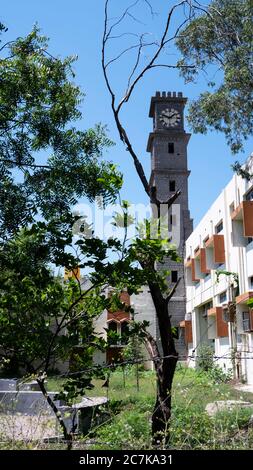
point(166, 97)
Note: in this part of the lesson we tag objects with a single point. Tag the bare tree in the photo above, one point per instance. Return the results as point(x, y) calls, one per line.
point(165, 363)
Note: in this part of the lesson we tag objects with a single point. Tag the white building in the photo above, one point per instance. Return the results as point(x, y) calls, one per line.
point(223, 241)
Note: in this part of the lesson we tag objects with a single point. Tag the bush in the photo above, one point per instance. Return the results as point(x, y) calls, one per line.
point(205, 357)
point(205, 363)
point(218, 375)
point(190, 428)
point(128, 430)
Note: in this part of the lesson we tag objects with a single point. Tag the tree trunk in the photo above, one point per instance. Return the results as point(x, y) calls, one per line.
point(162, 410)
point(68, 437)
point(165, 367)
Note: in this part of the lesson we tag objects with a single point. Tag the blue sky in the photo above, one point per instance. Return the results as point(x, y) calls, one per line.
point(75, 28)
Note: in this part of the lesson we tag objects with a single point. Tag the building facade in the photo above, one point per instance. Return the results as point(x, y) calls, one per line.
point(219, 280)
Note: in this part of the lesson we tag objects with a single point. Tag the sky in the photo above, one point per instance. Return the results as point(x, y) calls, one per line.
point(75, 28)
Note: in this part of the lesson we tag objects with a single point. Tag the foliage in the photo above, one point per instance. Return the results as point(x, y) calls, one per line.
point(128, 430)
point(228, 274)
point(218, 375)
point(44, 320)
point(242, 171)
point(205, 363)
point(218, 41)
point(191, 427)
point(55, 162)
point(235, 280)
point(47, 164)
point(133, 350)
point(36, 307)
point(205, 357)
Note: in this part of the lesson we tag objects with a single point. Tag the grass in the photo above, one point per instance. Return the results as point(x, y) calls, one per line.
point(189, 385)
point(128, 416)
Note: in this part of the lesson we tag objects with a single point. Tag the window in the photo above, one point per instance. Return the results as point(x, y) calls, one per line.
point(173, 186)
point(245, 321)
point(219, 227)
point(174, 276)
point(118, 333)
point(171, 147)
point(249, 195)
point(251, 282)
point(124, 332)
point(249, 240)
point(223, 297)
point(112, 331)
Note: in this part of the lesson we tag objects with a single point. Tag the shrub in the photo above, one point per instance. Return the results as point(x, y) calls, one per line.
point(128, 430)
point(205, 357)
point(190, 428)
point(218, 375)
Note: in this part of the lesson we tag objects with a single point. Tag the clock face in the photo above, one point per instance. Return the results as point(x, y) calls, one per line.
point(170, 117)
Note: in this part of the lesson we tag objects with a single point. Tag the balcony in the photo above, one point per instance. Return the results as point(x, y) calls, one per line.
point(190, 272)
point(215, 251)
point(243, 298)
point(242, 223)
point(187, 324)
point(221, 326)
point(244, 314)
point(244, 213)
point(202, 261)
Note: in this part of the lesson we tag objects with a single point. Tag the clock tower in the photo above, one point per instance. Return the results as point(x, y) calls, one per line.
point(169, 173)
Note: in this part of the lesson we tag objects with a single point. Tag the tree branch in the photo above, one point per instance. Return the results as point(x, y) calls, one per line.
point(62, 325)
point(30, 165)
point(116, 108)
point(153, 59)
point(173, 290)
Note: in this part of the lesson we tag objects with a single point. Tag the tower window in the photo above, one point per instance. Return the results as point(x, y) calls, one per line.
point(174, 276)
point(171, 147)
point(173, 186)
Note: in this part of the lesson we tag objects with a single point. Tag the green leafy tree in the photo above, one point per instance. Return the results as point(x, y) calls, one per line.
point(218, 42)
point(42, 318)
point(46, 164)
